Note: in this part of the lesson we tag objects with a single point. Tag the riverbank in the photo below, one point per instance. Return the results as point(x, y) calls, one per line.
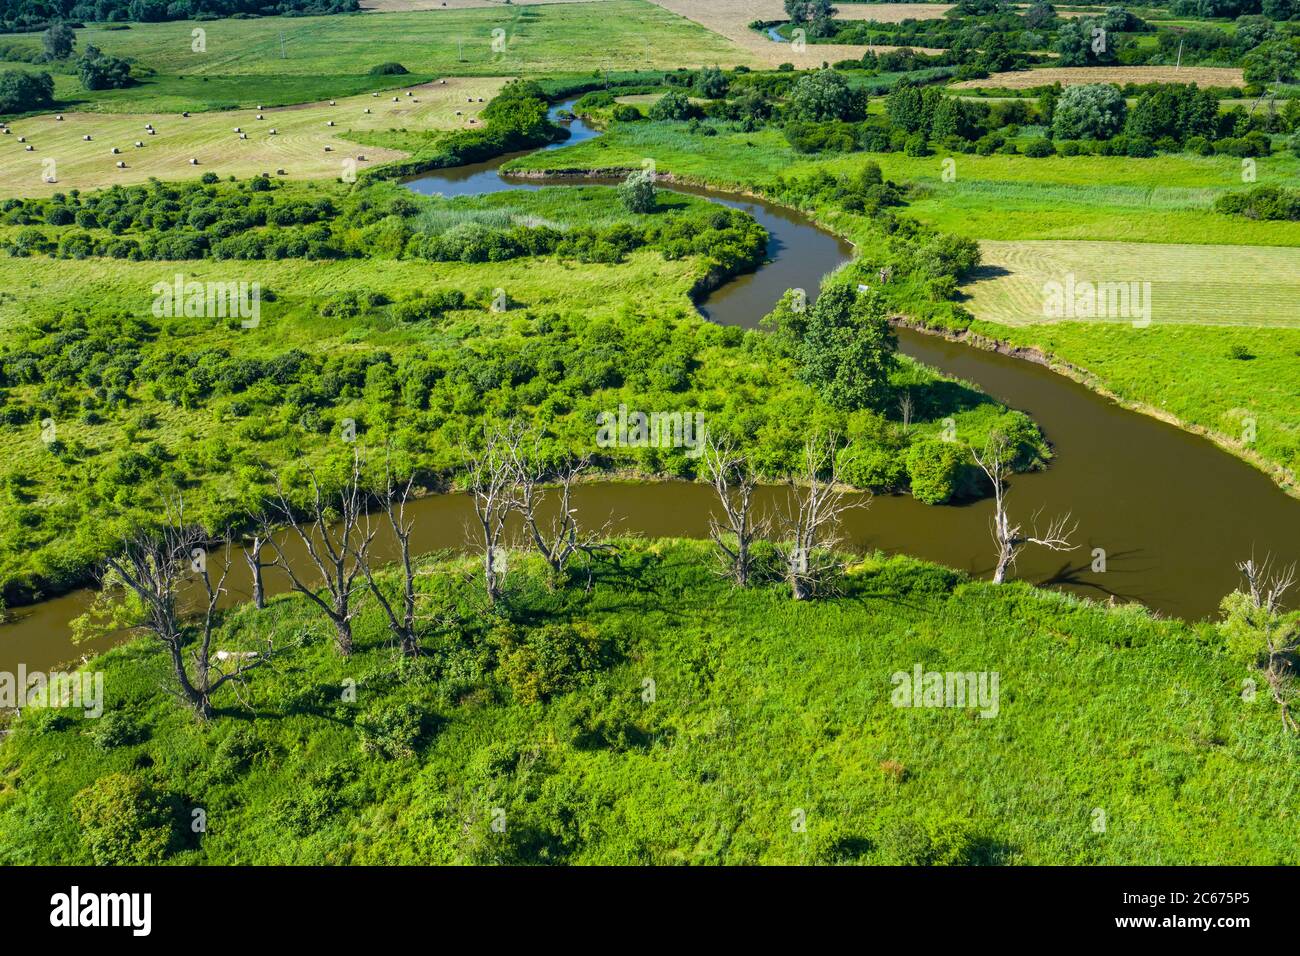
point(670, 740)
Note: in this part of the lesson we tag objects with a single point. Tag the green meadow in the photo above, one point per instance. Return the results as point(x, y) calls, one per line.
point(704, 725)
point(278, 60)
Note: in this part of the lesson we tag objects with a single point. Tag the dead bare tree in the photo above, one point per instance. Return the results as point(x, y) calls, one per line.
point(490, 476)
point(564, 537)
point(812, 521)
point(734, 480)
point(906, 408)
point(393, 498)
point(1281, 641)
point(995, 462)
point(253, 555)
point(154, 565)
point(336, 544)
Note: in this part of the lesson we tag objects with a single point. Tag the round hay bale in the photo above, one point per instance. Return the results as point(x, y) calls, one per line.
point(121, 165)
point(193, 161)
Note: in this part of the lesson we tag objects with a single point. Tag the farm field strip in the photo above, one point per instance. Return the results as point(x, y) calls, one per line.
point(1075, 75)
point(1189, 284)
point(298, 145)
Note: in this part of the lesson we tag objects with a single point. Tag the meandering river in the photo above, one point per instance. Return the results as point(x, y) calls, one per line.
point(1172, 512)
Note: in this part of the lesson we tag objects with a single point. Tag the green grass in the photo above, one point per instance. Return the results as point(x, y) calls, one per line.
point(762, 707)
point(1192, 373)
point(329, 56)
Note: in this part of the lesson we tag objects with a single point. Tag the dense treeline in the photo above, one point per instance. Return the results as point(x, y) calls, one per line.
point(264, 219)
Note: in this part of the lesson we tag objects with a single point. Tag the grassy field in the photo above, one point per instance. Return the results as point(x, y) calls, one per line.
point(298, 146)
point(266, 60)
point(1253, 286)
point(1237, 383)
point(1073, 76)
point(763, 710)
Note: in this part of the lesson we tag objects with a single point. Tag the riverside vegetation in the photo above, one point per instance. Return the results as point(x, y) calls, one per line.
point(596, 700)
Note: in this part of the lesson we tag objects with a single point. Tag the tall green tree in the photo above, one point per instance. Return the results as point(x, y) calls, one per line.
point(848, 348)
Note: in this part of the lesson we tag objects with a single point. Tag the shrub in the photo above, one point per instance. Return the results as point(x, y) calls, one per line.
point(389, 69)
point(547, 660)
point(638, 193)
point(626, 113)
point(1039, 148)
point(1091, 111)
point(116, 729)
point(873, 467)
point(391, 730)
point(123, 820)
point(673, 105)
point(934, 468)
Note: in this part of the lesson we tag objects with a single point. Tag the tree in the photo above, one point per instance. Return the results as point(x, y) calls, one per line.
point(1084, 43)
point(812, 517)
point(1040, 16)
point(58, 41)
point(253, 556)
point(813, 15)
point(490, 475)
point(22, 92)
point(153, 566)
point(1272, 62)
point(638, 193)
point(101, 72)
point(673, 105)
point(995, 462)
point(734, 480)
point(393, 498)
point(825, 95)
point(711, 83)
point(1091, 111)
point(333, 541)
point(847, 350)
point(1262, 635)
point(564, 538)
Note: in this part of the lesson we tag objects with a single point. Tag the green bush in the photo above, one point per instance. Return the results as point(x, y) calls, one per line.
point(549, 659)
point(1039, 148)
point(123, 820)
point(873, 467)
point(116, 729)
point(391, 730)
point(934, 468)
point(389, 69)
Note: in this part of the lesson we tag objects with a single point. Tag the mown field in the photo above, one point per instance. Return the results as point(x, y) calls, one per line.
point(298, 146)
point(277, 60)
point(1071, 76)
point(703, 723)
point(1253, 286)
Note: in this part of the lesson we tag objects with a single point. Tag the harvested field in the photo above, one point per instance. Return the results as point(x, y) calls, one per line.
point(731, 19)
point(297, 147)
point(1190, 284)
point(1119, 75)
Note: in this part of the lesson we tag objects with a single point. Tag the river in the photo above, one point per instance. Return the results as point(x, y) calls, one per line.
point(1172, 512)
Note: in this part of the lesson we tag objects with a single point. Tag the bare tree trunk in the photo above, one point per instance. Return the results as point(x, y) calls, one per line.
point(564, 538)
point(335, 545)
point(813, 520)
point(733, 480)
point(402, 626)
point(995, 462)
point(253, 555)
point(153, 566)
point(1281, 641)
point(491, 478)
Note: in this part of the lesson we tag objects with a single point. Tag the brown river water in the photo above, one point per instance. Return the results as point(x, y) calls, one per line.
point(1172, 512)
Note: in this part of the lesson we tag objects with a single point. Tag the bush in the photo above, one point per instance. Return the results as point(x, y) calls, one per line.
point(934, 468)
point(673, 105)
point(626, 113)
point(391, 730)
point(21, 92)
point(389, 69)
point(123, 821)
point(1040, 148)
point(547, 660)
point(873, 467)
point(638, 193)
point(116, 729)
point(1141, 147)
